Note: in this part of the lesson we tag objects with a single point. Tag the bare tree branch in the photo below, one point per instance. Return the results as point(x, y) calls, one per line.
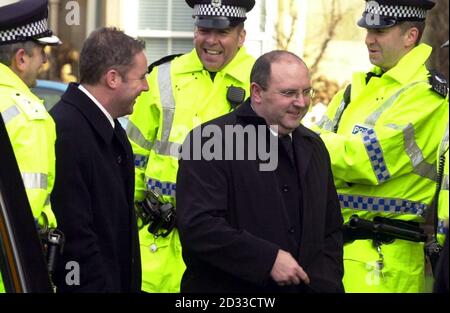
point(333, 16)
point(332, 20)
point(294, 19)
point(282, 39)
point(436, 34)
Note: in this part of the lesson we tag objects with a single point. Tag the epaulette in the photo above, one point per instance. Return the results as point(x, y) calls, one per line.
point(162, 61)
point(438, 83)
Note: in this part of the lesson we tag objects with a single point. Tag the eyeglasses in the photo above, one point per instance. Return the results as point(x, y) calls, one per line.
point(295, 94)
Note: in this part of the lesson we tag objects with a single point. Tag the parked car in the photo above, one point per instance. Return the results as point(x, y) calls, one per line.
point(51, 91)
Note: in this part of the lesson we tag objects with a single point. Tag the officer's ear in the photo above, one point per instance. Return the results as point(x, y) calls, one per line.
point(242, 33)
point(410, 37)
point(20, 61)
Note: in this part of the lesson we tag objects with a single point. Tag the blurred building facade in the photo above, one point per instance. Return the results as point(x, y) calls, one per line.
point(324, 32)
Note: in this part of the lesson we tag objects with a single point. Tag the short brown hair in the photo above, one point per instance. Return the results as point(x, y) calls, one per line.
point(420, 25)
point(107, 48)
point(8, 51)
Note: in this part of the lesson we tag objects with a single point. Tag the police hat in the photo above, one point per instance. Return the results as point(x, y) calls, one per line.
point(24, 20)
point(220, 14)
point(387, 13)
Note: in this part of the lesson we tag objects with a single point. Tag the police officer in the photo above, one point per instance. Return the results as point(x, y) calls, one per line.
point(23, 35)
point(184, 92)
point(441, 284)
point(380, 132)
point(441, 273)
point(443, 197)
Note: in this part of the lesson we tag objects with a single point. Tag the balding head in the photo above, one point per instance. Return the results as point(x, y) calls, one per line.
point(261, 71)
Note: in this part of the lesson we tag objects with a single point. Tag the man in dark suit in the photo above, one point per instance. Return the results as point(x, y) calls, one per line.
point(93, 193)
point(256, 204)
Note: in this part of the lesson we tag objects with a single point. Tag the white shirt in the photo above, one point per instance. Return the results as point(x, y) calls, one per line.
point(108, 116)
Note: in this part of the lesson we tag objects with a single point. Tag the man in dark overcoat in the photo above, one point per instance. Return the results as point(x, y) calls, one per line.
point(257, 209)
point(94, 186)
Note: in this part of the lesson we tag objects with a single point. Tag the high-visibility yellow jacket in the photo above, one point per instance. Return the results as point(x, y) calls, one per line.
point(181, 96)
point(443, 209)
point(384, 163)
point(32, 134)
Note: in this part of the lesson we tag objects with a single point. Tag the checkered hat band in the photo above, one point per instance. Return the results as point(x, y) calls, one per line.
point(223, 10)
point(27, 31)
point(398, 11)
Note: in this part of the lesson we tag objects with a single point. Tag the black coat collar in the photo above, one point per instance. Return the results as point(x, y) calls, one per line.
point(75, 97)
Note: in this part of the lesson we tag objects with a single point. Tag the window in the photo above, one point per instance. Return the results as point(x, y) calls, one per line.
point(166, 26)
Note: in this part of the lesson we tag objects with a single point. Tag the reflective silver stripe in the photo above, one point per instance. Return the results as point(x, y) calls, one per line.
point(328, 125)
point(10, 113)
point(444, 143)
point(47, 201)
point(35, 180)
point(382, 205)
point(415, 154)
point(168, 105)
point(325, 123)
point(168, 148)
point(373, 118)
point(421, 167)
point(338, 114)
point(426, 170)
point(135, 134)
point(444, 183)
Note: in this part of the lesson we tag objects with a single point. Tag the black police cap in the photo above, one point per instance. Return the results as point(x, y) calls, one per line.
point(387, 13)
point(25, 20)
point(220, 14)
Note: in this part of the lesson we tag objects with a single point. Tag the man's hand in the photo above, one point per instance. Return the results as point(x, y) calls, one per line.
point(286, 271)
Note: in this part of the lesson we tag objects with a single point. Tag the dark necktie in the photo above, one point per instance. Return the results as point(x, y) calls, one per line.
point(286, 141)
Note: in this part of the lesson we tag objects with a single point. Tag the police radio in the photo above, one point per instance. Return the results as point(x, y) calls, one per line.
point(235, 95)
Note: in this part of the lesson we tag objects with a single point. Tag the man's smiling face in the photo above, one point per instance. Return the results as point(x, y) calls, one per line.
point(217, 47)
